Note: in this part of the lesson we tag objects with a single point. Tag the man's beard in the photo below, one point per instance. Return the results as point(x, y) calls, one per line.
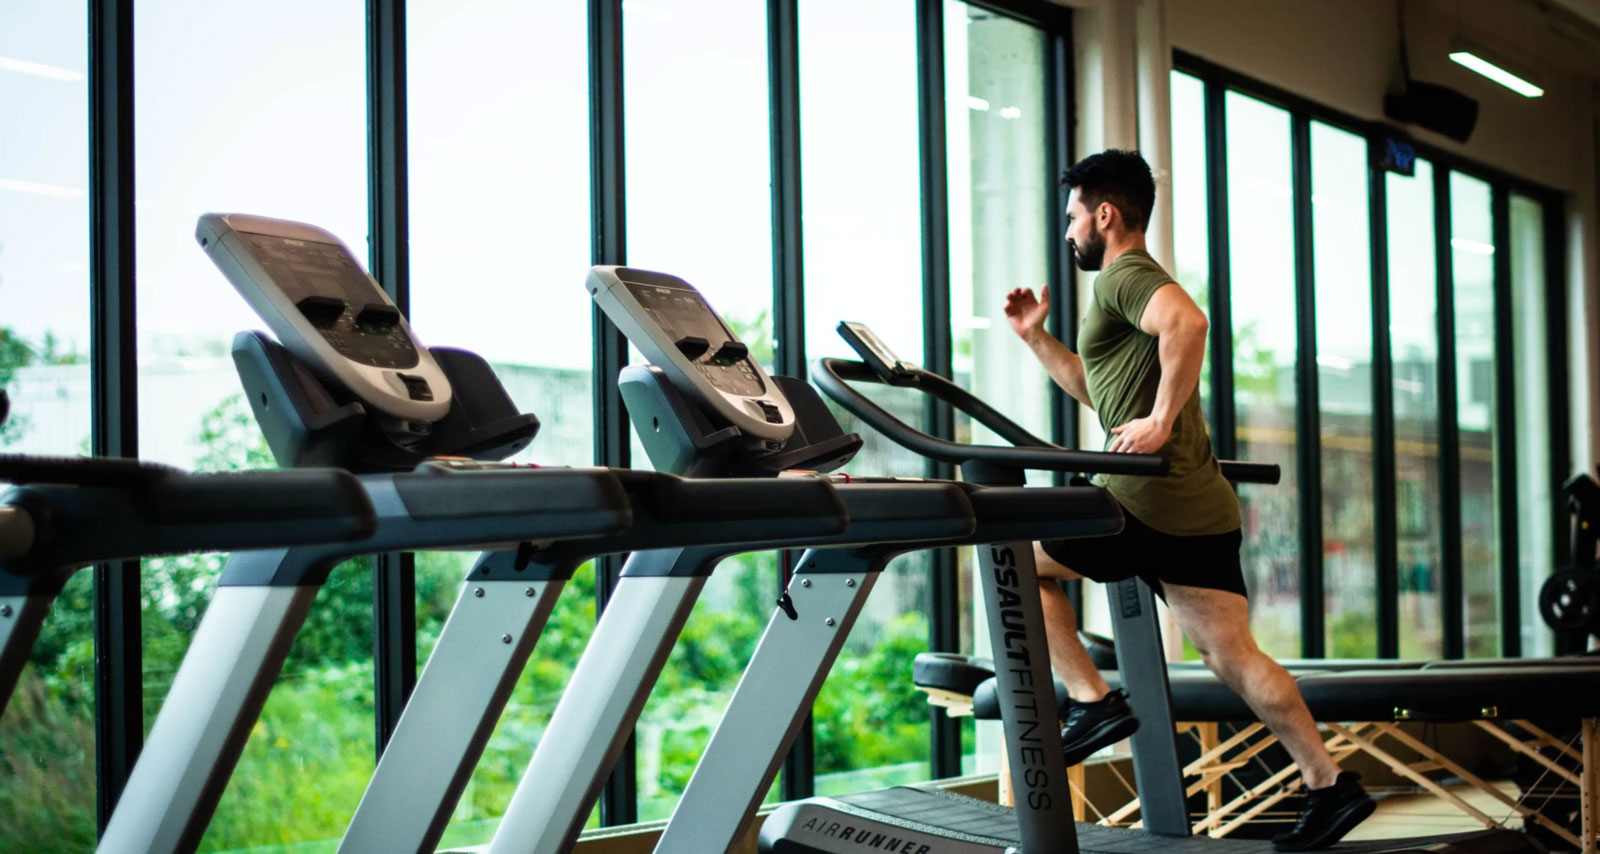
point(1092, 254)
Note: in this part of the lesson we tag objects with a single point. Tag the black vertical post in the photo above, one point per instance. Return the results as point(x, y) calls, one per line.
point(1060, 270)
point(944, 607)
point(114, 386)
point(1308, 420)
point(1556, 356)
point(1221, 306)
point(788, 278)
point(1061, 96)
point(1451, 593)
point(1385, 530)
point(608, 245)
point(394, 584)
point(1505, 428)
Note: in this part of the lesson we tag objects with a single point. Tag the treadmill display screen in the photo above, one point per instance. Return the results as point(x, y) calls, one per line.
point(304, 269)
point(681, 313)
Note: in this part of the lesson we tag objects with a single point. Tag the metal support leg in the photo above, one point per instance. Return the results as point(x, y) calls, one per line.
point(1010, 584)
point(21, 620)
point(1143, 666)
point(453, 710)
point(597, 712)
point(237, 653)
point(770, 704)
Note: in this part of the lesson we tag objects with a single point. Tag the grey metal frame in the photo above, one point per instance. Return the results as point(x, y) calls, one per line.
point(481, 652)
point(604, 697)
point(245, 635)
point(769, 706)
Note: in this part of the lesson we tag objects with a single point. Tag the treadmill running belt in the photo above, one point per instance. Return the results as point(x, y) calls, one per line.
point(953, 816)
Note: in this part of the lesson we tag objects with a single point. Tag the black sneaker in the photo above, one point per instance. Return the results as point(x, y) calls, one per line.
point(1329, 814)
point(1091, 726)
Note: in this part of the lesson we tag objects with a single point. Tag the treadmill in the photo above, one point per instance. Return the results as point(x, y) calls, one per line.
point(63, 514)
point(704, 407)
point(347, 383)
point(927, 820)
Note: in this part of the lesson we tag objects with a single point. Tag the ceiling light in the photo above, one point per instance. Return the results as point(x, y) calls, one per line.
point(39, 69)
point(1476, 58)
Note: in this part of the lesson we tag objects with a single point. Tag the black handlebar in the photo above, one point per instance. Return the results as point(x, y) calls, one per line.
point(81, 471)
point(1028, 451)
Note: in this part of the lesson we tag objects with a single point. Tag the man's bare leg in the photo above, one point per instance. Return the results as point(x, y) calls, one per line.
point(1218, 624)
point(1067, 655)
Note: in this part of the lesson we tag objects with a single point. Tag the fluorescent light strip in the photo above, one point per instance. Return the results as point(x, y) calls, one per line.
point(36, 69)
point(1494, 72)
point(1474, 246)
point(976, 103)
point(54, 191)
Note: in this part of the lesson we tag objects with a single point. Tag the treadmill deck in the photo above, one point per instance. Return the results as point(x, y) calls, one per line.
point(956, 816)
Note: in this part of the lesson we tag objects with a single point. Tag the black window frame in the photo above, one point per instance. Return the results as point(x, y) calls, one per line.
point(1218, 80)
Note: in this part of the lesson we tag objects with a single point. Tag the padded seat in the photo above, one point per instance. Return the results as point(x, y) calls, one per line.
point(1454, 693)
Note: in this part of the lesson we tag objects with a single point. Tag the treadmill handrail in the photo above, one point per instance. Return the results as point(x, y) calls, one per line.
point(1027, 452)
point(164, 511)
point(834, 376)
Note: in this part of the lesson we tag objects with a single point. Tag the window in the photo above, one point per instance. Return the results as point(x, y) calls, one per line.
point(1191, 214)
point(1472, 262)
point(1537, 550)
point(1001, 190)
point(499, 219)
point(700, 207)
point(1262, 292)
point(266, 116)
point(1414, 349)
point(1343, 277)
point(863, 248)
point(47, 796)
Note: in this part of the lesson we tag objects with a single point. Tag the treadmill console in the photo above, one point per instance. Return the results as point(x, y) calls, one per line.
point(328, 312)
point(674, 327)
point(873, 351)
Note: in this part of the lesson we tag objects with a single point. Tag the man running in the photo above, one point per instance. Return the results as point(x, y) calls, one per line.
point(1140, 348)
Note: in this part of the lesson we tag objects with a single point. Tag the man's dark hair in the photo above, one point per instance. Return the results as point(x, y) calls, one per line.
point(1116, 176)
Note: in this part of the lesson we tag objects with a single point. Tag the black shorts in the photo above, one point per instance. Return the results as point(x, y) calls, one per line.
point(1204, 560)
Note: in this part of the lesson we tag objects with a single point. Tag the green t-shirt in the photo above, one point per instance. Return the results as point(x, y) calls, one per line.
point(1122, 365)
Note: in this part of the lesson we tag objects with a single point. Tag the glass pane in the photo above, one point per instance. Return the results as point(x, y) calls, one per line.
point(1260, 201)
point(1001, 192)
point(1343, 270)
point(699, 172)
point(499, 150)
point(1191, 213)
point(1414, 348)
point(1537, 550)
point(1472, 257)
point(859, 110)
point(274, 124)
point(700, 207)
point(47, 793)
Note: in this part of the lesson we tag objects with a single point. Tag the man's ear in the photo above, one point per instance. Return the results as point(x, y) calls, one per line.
point(1105, 215)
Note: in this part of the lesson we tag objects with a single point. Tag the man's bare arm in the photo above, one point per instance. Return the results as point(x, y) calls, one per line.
point(1180, 327)
point(1027, 315)
point(1064, 366)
